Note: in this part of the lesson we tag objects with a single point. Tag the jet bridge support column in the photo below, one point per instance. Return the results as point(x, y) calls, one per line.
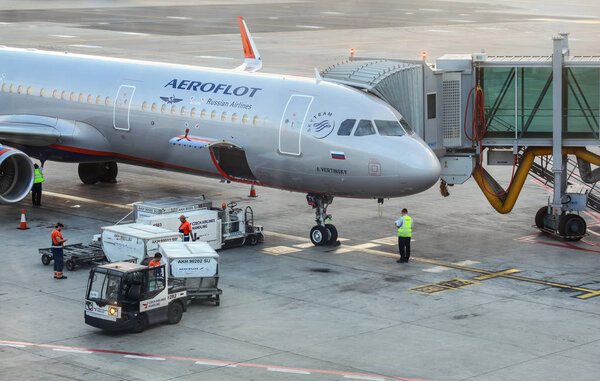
point(557, 120)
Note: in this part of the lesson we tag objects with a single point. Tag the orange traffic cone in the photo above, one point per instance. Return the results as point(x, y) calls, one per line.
point(23, 224)
point(252, 191)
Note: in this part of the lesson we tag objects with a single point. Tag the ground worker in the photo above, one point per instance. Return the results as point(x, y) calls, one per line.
point(36, 190)
point(185, 228)
point(57, 250)
point(156, 260)
point(404, 225)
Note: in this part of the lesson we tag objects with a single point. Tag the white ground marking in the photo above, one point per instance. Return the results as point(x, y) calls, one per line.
point(61, 35)
point(566, 20)
point(209, 363)
point(488, 28)
point(365, 378)
point(288, 371)
point(273, 18)
point(215, 57)
point(439, 269)
point(71, 350)
point(429, 9)
point(178, 17)
point(145, 357)
point(309, 26)
point(86, 46)
point(438, 31)
point(134, 33)
point(13, 345)
point(332, 13)
point(462, 21)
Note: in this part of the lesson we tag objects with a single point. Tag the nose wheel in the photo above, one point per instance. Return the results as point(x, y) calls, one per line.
point(322, 233)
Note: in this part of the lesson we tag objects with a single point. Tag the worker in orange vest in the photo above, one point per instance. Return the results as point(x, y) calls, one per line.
point(185, 228)
point(156, 260)
point(57, 250)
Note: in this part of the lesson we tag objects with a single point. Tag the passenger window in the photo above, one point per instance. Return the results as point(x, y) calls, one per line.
point(389, 128)
point(365, 127)
point(346, 127)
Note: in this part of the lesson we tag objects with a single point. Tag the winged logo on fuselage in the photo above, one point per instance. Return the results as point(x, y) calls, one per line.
point(171, 100)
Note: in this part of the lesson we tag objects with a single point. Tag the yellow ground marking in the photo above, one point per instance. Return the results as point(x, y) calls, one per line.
point(346, 249)
point(87, 200)
point(304, 245)
point(387, 240)
point(447, 285)
point(279, 250)
point(288, 236)
point(587, 293)
point(497, 274)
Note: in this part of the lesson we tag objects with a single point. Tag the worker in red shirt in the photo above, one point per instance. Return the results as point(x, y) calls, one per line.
point(156, 260)
point(185, 228)
point(57, 250)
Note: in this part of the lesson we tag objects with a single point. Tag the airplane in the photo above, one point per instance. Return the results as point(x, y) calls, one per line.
point(293, 133)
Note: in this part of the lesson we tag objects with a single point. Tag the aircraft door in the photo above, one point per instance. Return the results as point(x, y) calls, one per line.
point(292, 122)
point(122, 106)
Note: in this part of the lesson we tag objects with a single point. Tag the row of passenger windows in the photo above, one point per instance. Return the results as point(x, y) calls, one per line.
point(365, 127)
point(164, 108)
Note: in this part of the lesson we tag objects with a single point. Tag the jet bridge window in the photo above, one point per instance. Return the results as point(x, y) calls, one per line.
point(365, 127)
point(346, 127)
point(389, 128)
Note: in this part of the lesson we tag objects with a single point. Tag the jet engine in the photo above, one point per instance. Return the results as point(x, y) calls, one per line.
point(16, 175)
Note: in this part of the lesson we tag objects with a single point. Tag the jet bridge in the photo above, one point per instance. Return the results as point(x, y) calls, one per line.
point(529, 112)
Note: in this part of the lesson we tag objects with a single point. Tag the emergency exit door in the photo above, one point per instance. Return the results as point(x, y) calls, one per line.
point(292, 122)
point(122, 107)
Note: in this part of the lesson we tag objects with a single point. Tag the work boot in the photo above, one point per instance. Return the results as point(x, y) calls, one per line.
point(61, 277)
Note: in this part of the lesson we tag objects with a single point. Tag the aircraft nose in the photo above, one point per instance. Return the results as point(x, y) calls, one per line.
point(421, 165)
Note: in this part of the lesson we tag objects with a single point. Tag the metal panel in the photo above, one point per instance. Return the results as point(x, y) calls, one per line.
point(451, 123)
point(122, 106)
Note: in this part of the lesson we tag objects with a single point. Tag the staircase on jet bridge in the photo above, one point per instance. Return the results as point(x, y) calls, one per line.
point(541, 170)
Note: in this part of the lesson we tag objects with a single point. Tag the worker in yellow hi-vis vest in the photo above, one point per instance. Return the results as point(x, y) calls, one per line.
point(36, 189)
point(404, 225)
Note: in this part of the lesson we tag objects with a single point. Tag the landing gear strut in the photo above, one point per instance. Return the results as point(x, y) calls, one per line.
point(91, 173)
point(322, 233)
point(570, 227)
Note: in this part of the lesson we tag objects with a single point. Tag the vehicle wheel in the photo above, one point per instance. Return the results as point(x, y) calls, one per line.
point(319, 235)
point(333, 234)
point(139, 323)
point(108, 172)
point(70, 265)
point(175, 312)
point(89, 173)
point(218, 300)
point(573, 226)
point(539, 217)
point(261, 237)
point(46, 259)
point(251, 240)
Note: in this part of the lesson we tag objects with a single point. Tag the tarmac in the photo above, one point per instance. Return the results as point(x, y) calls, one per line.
point(484, 297)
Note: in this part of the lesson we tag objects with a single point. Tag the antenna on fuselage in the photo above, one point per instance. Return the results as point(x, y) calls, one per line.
point(318, 77)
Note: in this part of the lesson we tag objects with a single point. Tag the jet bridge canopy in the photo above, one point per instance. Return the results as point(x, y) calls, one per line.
point(398, 83)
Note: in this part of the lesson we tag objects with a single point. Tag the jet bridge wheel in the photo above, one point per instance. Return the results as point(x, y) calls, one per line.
point(539, 217)
point(572, 227)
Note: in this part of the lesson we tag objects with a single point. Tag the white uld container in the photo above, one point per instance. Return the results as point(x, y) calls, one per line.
point(190, 259)
point(134, 241)
point(168, 205)
point(206, 225)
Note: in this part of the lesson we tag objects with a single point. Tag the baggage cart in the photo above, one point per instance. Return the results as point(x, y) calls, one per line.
point(75, 255)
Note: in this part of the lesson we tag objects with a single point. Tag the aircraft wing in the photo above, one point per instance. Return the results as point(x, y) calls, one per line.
point(28, 130)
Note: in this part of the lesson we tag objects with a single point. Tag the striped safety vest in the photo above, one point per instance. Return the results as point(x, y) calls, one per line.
point(406, 229)
point(39, 177)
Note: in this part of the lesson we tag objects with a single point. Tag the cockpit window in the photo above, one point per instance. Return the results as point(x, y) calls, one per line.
point(406, 127)
point(365, 127)
point(389, 128)
point(346, 127)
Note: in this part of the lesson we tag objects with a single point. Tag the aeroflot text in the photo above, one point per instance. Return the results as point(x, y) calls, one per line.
point(209, 87)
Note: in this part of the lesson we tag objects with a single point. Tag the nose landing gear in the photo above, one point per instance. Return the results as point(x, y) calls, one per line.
point(322, 233)
point(570, 227)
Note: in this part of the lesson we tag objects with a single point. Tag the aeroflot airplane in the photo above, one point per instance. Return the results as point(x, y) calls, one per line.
point(299, 134)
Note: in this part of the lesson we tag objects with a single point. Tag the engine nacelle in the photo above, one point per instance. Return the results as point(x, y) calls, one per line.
point(16, 175)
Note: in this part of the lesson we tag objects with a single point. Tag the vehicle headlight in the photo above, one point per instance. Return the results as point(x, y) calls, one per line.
point(113, 311)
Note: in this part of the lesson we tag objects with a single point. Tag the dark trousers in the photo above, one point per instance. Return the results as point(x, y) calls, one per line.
point(57, 253)
point(36, 194)
point(404, 247)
